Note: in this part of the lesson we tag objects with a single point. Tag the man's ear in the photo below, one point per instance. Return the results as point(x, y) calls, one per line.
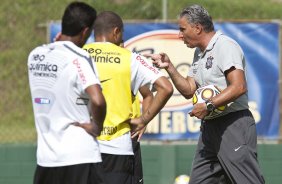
point(86, 33)
point(116, 32)
point(198, 28)
point(57, 37)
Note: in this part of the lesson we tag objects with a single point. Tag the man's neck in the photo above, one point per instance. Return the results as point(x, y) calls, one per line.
point(104, 38)
point(101, 39)
point(72, 39)
point(206, 40)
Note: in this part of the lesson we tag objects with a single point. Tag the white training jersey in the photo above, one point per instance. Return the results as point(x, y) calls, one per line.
point(59, 73)
point(142, 73)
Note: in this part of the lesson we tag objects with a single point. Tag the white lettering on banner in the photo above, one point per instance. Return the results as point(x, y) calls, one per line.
point(254, 109)
point(153, 127)
point(173, 122)
point(193, 124)
point(180, 122)
point(165, 123)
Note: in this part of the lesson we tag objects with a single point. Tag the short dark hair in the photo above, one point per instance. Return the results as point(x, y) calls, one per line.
point(196, 14)
point(112, 20)
point(77, 16)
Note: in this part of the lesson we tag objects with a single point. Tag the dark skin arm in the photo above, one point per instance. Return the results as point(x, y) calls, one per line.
point(98, 111)
point(237, 87)
point(186, 86)
point(147, 100)
point(164, 91)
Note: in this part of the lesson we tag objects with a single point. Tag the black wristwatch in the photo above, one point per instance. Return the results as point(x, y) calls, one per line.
point(210, 106)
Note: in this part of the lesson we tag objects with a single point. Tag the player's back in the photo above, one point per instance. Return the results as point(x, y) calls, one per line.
point(53, 74)
point(114, 67)
point(57, 78)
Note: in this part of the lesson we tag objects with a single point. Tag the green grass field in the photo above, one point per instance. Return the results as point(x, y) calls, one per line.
point(23, 27)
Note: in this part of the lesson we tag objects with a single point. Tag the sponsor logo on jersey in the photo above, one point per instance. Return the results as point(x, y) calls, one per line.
point(109, 130)
point(42, 66)
point(43, 69)
point(42, 100)
point(150, 67)
point(37, 57)
point(103, 57)
point(79, 70)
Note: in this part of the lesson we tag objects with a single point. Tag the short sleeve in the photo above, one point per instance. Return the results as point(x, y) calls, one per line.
point(142, 72)
point(87, 72)
point(231, 56)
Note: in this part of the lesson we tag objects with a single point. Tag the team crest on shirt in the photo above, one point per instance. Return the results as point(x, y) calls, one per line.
point(209, 62)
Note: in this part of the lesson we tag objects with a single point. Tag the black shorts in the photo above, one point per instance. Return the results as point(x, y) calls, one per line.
point(90, 173)
point(118, 169)
point(138, 170)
